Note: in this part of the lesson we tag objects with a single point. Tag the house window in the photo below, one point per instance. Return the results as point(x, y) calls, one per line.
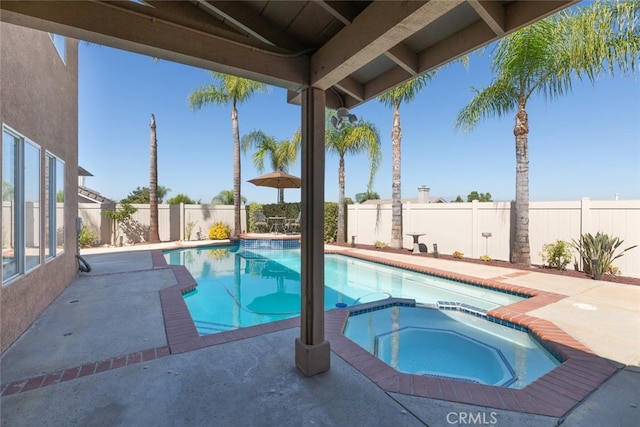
point(60, 206)
point(60, 43)
point(53, 206)
point(10, 211)
point(20, 204)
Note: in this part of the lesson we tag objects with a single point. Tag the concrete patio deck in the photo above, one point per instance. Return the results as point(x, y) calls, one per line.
point(102, 354)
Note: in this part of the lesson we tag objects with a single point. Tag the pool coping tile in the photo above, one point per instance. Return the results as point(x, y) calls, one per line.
point(553, 394)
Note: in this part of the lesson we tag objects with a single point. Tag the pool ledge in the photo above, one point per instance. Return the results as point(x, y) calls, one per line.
point(554, 394)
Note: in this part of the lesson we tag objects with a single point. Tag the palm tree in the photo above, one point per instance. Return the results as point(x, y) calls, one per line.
point(235, 90)
point(154, 235)
point(542, 59)
point(367, 195)
point(226, 197)
point(353, 138)
point(281, 154)
point(405, 92)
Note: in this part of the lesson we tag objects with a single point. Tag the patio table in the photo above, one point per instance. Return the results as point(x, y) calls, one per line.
point(277, 223)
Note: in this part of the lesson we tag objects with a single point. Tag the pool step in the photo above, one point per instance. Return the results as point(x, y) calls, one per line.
point(207, 328)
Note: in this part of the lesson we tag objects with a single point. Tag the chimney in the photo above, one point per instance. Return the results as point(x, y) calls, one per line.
point(423, 194)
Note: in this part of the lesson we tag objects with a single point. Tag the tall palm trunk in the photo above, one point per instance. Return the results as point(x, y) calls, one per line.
point(520, 251)
point(341, 237)
point(396, 206)
point(236, 171)
point(154, 235)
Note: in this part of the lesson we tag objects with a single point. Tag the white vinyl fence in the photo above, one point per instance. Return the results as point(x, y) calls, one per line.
point(174, 221)
point(459, 226)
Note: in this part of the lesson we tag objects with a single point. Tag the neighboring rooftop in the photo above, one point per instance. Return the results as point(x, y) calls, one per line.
point(87, 195)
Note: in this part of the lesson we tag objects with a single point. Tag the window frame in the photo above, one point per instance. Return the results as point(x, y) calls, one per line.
point(53, 166)
point(19, 198)
point(60, 43)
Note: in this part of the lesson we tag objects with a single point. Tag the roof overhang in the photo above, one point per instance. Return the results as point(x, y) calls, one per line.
point(354, 50)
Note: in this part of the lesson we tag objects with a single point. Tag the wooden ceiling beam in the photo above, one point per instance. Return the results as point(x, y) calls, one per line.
point(380, 27)
point(492, 13)
point(110, 25)
point(405, 58)
point(237, 15)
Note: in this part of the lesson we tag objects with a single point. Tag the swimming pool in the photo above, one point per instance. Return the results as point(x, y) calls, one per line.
point(240, 288)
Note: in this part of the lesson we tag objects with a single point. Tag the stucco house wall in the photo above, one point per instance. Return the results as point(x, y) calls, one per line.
point(39, 99)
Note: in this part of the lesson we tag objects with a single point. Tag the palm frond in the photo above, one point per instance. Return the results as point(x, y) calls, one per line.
point(206, 95)
point(356, 138)
point(494, 101)
point(406, 92)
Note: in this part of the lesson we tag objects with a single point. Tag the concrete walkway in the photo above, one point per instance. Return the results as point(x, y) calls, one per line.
point(98, 356)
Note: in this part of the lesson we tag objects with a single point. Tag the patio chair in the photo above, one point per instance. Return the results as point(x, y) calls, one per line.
point(260, 221)
point(293, 223)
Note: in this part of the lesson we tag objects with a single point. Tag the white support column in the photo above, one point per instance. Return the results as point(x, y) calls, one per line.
point(312, 352)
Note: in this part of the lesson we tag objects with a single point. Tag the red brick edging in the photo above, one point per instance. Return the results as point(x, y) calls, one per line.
point(82, 371)
point(553, 394)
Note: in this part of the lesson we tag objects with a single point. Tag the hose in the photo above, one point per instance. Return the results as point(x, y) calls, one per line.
point(83, 265)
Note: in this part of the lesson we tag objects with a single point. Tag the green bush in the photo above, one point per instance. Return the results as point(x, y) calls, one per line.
point(252, 209)
point(556, 255)
point(330, 222)
point(602, 248)
point(291, 210)
point(86, 237)
point(219, 231)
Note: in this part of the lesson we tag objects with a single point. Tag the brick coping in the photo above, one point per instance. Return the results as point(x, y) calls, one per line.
point(553, 394)
point(268, 236)
point(91, 368)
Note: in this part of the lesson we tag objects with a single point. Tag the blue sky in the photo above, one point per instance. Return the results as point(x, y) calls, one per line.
point(586, 144)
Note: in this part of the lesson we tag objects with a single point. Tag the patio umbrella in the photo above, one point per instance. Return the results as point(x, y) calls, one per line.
point(279, 180)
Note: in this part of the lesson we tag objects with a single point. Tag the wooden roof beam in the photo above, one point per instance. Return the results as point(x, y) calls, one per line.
point(380, 27)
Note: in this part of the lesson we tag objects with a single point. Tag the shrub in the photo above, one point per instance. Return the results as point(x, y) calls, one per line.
point(380, 245)
point(457, 254)
point(219, 231)
point(602, 248)
point(485, 258)
point(87, 237)
point(188, 229)
point(556, 255)
point(330, 222)
point(220, 253)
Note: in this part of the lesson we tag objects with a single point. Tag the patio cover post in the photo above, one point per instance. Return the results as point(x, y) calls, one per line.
point(312, 351)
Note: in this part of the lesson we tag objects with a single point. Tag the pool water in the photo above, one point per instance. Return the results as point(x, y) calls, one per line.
point(450, 344)
point(240, 288)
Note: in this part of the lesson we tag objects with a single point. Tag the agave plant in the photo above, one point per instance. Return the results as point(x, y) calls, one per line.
point(598, 252)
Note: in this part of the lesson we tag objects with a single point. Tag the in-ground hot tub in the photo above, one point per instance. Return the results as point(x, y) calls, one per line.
point(450, 344)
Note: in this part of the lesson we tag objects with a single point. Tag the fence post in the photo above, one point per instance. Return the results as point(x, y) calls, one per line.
point(475, 233)
point(181, 221)
point(585, 215)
